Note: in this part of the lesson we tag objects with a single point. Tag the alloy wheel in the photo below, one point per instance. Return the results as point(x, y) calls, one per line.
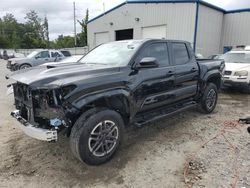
point(103, 138)
point(211, 99)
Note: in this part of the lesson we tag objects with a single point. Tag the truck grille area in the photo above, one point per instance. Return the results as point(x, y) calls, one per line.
point(22, 92)
point(23, 100)
point(38, 107)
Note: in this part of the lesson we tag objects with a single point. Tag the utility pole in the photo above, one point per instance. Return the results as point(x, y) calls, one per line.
point(103, 7)
point(75, 22)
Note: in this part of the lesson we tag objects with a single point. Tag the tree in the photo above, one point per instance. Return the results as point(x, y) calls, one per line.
point(36, 31)
point(34, 24)
point(83, 36)
point(3, 42)
point(64, 42)
point(15, 40)
point(46, 30)
point(8, 30)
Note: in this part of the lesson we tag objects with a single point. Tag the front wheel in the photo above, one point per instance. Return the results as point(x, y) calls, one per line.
point(96, 136)
point(24, 66)
point(247, 90)
point(209, 98)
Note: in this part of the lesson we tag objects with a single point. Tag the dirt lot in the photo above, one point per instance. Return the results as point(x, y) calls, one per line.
point(190, 149)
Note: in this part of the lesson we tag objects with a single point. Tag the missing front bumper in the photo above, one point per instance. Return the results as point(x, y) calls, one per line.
point(34, 132)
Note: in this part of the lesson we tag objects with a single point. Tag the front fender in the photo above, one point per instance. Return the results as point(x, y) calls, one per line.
point(89, 98)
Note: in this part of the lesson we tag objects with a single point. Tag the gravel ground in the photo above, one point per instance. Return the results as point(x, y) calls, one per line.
point(187, 150)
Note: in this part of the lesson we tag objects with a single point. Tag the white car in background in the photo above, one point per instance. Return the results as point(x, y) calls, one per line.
point(237, 69)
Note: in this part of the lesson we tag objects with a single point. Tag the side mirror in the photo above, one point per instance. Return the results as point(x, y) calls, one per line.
point(37, 57)
point(147, 62)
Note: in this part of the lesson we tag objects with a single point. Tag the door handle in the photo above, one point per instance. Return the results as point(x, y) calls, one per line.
point(193, 69)
point(46, 59)
point(170, 73)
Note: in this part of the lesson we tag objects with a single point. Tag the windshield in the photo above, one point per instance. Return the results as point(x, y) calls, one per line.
point(237, 57)
point(112, 54)
point(32, 54)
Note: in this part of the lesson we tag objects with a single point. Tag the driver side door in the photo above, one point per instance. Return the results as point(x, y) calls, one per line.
point(42, 57)
point(155, 85)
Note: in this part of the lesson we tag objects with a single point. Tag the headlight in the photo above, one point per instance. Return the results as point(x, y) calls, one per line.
point(241, 73)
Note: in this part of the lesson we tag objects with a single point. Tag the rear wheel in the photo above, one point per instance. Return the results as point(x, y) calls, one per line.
point(209, 98)
point(96, 136)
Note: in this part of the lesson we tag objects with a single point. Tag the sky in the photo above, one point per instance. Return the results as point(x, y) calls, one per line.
point(60, 12)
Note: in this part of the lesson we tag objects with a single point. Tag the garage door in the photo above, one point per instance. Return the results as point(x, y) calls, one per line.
point(157, 32)
point(101, 38)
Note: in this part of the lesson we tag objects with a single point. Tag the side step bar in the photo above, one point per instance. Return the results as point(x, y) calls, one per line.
point(162, 113)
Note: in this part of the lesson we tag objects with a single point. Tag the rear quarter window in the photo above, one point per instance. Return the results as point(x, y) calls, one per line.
point(66, 53)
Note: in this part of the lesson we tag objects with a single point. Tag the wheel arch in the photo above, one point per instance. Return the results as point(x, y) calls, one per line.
point(24, 64)
point(213, 77)
point(117, 100)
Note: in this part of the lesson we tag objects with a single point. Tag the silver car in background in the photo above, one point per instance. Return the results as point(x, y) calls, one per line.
point(35, 58)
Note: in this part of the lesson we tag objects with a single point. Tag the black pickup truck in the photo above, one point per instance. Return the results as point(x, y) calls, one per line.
point(115, 85)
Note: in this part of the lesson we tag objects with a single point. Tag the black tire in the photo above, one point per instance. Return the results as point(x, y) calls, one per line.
point(209, 99)
point(85, 132)
point(247, 90)
point(24, 66)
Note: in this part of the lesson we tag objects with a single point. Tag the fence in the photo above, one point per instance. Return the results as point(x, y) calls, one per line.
point(73, 51)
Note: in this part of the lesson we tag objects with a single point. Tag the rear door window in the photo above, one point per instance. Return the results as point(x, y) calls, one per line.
point(55, 54)
point(180, 53)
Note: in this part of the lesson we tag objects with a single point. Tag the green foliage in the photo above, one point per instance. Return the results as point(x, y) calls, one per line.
point(82, 37)
point(64, 42)
point(31, 34)
point(34, 33)
point(46, 30)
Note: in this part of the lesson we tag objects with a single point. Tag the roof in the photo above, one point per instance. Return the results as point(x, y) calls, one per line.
point(171, 1)
point(238, 11)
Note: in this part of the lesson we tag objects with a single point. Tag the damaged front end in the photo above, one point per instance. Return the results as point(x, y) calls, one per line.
point(43, 113)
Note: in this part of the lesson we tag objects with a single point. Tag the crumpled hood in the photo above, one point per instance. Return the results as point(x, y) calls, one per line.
point(54, 77)
point(237, 66)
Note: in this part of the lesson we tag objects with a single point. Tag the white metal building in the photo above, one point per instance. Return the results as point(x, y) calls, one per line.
point(210, 29)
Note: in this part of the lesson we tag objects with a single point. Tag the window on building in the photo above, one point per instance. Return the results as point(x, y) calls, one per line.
point(125, 34)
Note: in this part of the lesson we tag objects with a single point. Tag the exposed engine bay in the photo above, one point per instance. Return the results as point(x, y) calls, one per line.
point(43, 108)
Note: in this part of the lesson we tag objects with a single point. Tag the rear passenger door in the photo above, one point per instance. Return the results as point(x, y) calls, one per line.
point(186, 70)
point(56, 56)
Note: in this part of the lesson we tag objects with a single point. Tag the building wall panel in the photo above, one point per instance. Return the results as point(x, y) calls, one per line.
point(209, 31)
point(236, 29)
point(179, 19)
